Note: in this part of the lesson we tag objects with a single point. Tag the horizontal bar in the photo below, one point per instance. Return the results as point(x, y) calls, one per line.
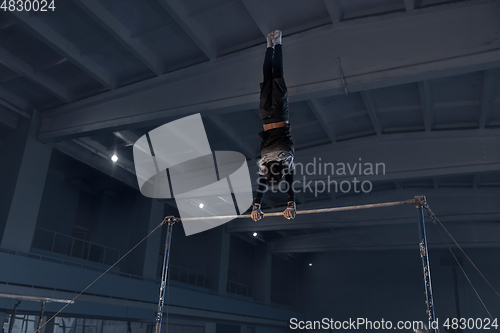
point(310, 211)
point(35, 299)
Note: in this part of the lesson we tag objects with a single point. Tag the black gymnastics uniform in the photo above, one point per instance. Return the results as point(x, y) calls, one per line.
point(277, 143)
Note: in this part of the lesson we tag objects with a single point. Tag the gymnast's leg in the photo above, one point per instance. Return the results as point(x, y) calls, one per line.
point(278, 56)
point(268, 60)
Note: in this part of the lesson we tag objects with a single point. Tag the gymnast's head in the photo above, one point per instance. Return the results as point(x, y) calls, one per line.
point(273, 171)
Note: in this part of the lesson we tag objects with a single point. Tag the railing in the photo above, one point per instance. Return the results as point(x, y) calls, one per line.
point(52, 241)
point(97, 268)
point(281, 299)
point(189, 276)
point(207, 279)
point(239, 289)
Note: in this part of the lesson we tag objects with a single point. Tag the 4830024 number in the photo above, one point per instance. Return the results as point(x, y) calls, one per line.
point(28, 5)
point(471, 323)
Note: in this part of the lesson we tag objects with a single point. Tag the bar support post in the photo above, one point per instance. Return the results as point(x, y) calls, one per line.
point(40, 319)
point(424, 255)
point(13, 317)
point(170, 223)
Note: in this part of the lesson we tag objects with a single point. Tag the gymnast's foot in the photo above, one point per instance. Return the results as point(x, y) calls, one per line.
point(270, 38)
point(277, 37)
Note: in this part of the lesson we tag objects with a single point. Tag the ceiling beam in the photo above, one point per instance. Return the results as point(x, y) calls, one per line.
point(128, 137)
point(210, 6)
point(335, 11)
point(410, 158)
point(399, 157)
point(107, 20)
point(65, 48)
point(333, 196)
point(319, 112)
point(50, 64)
point(369, 66)
point(15, 103)
point(468, 235)
point(150, 28)
point(96, 148)
point(475, 181)
point(290, 30)
point(97, 161)
point(8, 118)
point(259, 13)
point(17, 65)
point(410, 5)
point(371, 110)
point(233, 137)
point(487, 97)
point(190, 26)
point(424, 91)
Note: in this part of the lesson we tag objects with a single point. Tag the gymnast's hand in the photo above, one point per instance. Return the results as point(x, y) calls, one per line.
point(257, 213)
point(290, 211)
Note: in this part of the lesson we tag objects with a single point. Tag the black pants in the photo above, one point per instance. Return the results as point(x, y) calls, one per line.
point(273, 91)
point(273, 63)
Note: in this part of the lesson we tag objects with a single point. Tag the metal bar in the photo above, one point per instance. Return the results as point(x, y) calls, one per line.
point(164, 273)
point(13, 317)
point(310, 211)
point(41, 317)
point(424, 255)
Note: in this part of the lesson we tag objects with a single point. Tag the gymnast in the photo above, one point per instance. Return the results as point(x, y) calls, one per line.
point(277, 149)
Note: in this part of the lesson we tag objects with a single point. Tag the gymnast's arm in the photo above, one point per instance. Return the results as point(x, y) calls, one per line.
point(257, 213)
point(290, 193)
point(291, 207)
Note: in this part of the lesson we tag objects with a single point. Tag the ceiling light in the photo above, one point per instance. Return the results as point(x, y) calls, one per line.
point(201, 205)
point(310, 264)
point(114, 158)
point(254, 234)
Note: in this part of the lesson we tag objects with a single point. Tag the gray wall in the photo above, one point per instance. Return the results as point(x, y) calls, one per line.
point(241, 261)
point(195, 252)
point(58, 209)
point(389, 285)
point(284, 277)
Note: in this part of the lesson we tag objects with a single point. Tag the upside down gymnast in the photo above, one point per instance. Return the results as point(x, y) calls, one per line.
point(277, 149)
